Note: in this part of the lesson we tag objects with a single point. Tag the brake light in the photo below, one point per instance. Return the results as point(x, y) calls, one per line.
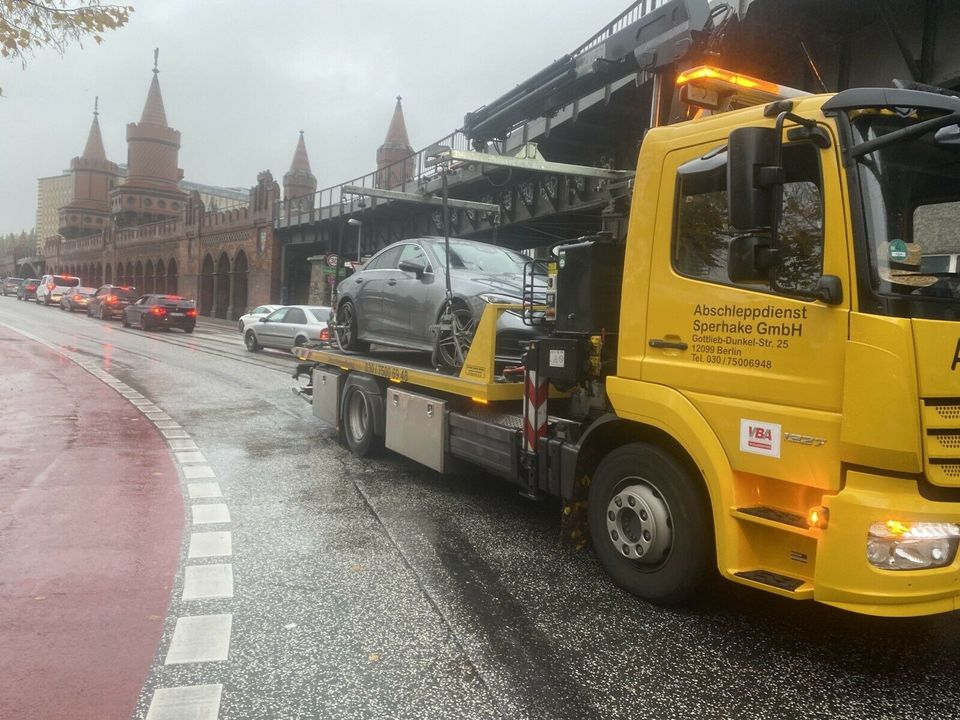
point(158, 311)
point(50, 286)
point(325, 334)
point(110, 299)
point(191, 313)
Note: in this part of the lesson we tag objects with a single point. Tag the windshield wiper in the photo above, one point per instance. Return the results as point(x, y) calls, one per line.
point(905, 133)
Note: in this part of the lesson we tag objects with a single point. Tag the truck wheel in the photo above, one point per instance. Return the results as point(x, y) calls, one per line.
point(650, 524)
point(357, 422)
point(347, 333)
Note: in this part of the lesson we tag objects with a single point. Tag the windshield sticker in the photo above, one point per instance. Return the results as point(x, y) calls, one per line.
point(898, 250)
point(760, 438)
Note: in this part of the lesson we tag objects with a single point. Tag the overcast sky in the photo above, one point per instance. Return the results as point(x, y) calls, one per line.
point(240, 78)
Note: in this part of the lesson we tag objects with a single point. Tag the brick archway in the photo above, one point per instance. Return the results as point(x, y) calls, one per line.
point(221, 287)
point(239, 289)
point(148, 279)
point(172, 276)
point(161, 275)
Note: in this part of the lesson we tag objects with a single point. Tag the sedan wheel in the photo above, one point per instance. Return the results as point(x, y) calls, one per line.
point(250, 340)
point(456, 336)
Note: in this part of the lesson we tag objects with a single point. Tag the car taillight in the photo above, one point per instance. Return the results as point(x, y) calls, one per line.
point(191, 313)
point(325, 334)
point(158, 311)
point(50, 286)
point(109, 299)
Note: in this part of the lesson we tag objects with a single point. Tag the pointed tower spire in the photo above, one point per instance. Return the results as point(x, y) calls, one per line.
point(88, 211)
point(397, 132)
point(151, 191)
point(94, 147)
point(300, 162)
point(153, 111)
point(394, 166)
point(299, 184)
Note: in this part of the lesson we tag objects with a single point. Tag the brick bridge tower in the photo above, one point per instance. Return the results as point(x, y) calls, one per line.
point(395, 148)
point(93, 178)
point(151, 192)
point(299, 184)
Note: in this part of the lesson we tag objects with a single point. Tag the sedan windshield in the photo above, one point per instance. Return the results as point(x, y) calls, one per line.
point(911, 197)
point(481, 257)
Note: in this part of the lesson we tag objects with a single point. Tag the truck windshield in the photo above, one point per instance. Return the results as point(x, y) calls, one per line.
point(911, 200)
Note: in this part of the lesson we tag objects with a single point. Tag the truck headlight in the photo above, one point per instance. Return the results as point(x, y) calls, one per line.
point(896, 545)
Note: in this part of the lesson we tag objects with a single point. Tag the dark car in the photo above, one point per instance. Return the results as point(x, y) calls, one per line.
point(10, 285)
point(110, 300)
point(28, 289)
point(156, 311)
point(399, 295)
point(76, 298)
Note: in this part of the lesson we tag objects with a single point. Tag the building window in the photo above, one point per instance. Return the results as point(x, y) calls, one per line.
point(175, 205)
point(130, 200)
point(147, 202)
point(161, 203)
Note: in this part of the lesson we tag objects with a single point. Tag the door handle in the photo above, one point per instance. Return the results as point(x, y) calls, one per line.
point(391, 282)
point(668, 344)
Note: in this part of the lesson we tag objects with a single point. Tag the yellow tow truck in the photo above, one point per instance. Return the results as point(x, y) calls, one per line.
point(764, 378)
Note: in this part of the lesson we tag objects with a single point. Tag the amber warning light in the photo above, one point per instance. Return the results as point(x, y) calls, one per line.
point(718, 90)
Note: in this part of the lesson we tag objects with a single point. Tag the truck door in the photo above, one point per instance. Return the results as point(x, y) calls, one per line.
point(765, 369)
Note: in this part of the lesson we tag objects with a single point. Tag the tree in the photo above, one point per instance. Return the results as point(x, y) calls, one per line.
point(28, 25)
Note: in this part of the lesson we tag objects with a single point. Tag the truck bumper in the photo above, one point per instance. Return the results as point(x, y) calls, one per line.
point(845, 578)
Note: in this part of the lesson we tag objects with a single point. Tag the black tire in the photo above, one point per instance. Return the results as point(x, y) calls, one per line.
point(299, 341)
point(358, 424)
point(650, 524)
point(188, 330)
point(250, 340)
point(347, 334)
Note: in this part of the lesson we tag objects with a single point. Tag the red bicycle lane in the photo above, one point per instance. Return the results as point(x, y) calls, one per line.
point(91, 520)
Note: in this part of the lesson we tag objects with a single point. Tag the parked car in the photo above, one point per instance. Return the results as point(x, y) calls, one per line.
point(156, 311)
point(110, 300)
point(399, 295)
point(255, 315)
point(52, 288)
point(77, 298)
point(289, 327)
point(28, 289)
point(11, 285)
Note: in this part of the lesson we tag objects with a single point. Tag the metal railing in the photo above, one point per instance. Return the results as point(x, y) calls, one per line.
point(406, 175)
point(628, 16)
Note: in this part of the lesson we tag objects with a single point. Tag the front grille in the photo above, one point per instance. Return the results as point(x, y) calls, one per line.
point(941, 427)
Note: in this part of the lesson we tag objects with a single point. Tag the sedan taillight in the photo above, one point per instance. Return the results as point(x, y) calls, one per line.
point(191, 313)
point(159, 311)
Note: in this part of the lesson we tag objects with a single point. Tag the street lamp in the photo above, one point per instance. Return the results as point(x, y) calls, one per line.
point(358, 224)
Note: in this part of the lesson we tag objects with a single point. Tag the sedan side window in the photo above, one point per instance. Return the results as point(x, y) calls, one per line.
point(385, 260)
point(296, 316)
point(277, 315)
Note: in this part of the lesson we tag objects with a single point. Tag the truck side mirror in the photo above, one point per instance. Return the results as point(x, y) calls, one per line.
point(753, 176)
point(750, 259)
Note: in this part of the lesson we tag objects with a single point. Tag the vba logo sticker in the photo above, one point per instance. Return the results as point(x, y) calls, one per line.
point(760, 438)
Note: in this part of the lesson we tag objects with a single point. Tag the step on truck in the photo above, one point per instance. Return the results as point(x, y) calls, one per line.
point(763, 379)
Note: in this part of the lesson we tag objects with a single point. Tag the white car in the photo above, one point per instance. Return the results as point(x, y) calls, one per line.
point(254, 316)
point(53, 287)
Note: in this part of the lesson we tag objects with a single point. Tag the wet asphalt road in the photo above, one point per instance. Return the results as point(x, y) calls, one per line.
point(377, 589)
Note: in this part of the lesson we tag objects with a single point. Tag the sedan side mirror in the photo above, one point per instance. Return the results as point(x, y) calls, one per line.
point(413, 267)
point(263, 318)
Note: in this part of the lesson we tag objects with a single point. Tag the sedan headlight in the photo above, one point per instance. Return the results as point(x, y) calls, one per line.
point(897, 545)
point(501, 299)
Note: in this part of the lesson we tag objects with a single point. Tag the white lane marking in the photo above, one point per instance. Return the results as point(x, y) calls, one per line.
point(202, 582)
point(191, 702)
point(210, 513)
point(170, 434)
point(182, 445)
point(204, 490)
point(210, 544)
point(190, 457)
point(193, 472)
point(200, 638)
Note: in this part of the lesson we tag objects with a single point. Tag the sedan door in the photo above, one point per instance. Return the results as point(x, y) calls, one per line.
point(269, 329)
point(368, 286)
point(294, 320)
point(407, 310)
